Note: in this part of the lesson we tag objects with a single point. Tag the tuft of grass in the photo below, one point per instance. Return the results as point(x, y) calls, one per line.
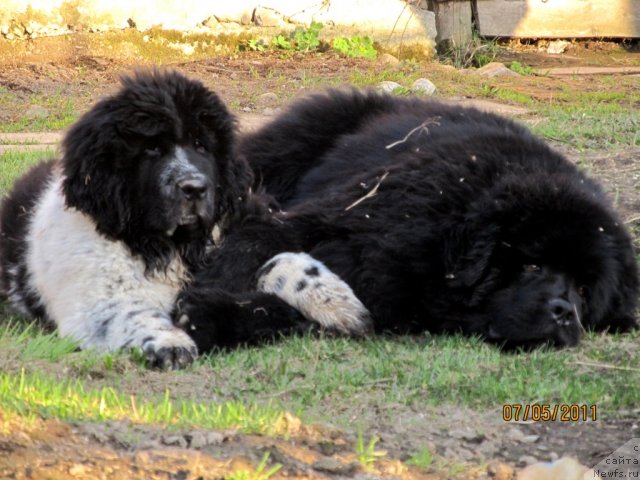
point(521, 68)
point(477, 52)
point(366, 453)
point(423, 459)
point(260, 473)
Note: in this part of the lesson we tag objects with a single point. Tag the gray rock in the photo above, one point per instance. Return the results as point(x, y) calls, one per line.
point(331, 465)
point(268, 99)
point(423, 86)
point(177, 440)
point(388, 86)
point(527, 460)
point(198, 440)
point(496, 69)
point(267, 17)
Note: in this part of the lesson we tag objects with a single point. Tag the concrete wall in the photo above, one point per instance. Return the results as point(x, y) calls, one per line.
point(387, 21)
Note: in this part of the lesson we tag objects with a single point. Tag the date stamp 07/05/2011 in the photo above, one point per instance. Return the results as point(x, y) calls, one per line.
point(536, 412)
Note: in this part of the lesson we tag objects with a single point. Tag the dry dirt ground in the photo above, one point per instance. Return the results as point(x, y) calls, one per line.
point(51, 449)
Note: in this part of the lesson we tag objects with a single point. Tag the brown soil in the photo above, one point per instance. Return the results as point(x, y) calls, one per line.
point(50, 449)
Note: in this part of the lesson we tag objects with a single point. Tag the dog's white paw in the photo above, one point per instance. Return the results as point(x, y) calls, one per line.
point(315, 291)
point(169, 349)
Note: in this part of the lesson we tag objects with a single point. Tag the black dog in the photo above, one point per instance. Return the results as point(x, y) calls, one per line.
point(101, 241)
point(440, 218)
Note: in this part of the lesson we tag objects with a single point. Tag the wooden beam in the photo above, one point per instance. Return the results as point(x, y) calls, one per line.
point(453, 21)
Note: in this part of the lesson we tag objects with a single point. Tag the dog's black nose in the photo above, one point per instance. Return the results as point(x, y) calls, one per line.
point(562, 311)
point(193, 187)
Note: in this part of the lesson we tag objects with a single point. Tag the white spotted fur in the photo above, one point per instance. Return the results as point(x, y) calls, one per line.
point(326, 299)
point(83, 279)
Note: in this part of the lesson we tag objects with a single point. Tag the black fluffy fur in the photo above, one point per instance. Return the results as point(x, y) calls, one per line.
point(106, 163)
point(475, 225)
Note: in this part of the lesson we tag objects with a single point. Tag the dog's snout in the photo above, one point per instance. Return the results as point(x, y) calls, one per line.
point(562, 311)
point(193, 187)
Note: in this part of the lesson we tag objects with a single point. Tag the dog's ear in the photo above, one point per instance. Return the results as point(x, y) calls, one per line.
point(91, 183)
point(235, 175)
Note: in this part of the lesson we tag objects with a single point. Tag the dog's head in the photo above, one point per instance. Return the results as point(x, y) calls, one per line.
point(153, 165)
point(545, 259)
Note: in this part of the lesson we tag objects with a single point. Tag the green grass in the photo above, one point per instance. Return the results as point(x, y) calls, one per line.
point(14, 163)
point(57, 112)
point(31, 394)
point(587, 126)
point(312, 377)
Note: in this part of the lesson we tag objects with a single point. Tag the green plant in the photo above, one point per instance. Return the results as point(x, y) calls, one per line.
point(308, 39)
point(259, 473)
point(367, 454)
point(355, 46)
point(256, 45)
point(521, 68)
point(282, 42)
point(422, 459)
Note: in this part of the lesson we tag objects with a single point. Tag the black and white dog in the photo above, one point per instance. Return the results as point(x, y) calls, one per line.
point(439, 218)
point(101, 241)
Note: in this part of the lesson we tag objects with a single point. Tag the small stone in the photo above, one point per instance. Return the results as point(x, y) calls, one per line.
point(496, 69)
point(211, 22)
point(388, 86)
point(388, 59)
point(268, 99)
point(246, 18)
point(557, 47)
point(177, 440)
point(331, 465)
point(423, 86)
point(267, 17)
point(215, 438)
point(198, 440)
point(527, 460)
point(500, 471)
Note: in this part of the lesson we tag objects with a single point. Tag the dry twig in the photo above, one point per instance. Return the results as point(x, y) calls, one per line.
point(422, 127)
point(371, 193)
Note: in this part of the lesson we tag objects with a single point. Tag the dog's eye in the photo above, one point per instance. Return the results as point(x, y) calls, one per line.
point(582, 291)
point(531, 268)
point(199, 147)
